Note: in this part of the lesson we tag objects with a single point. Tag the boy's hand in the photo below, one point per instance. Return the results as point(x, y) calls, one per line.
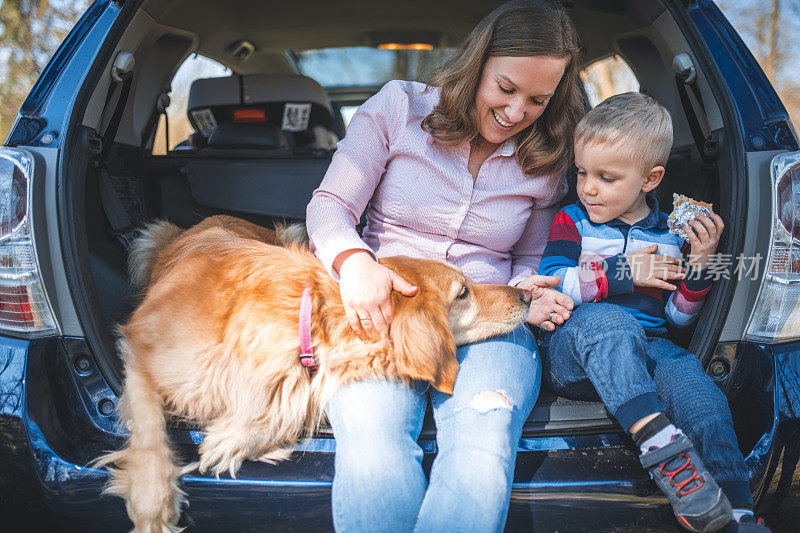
point(650, 270)
point(549, 307)
point(703, 233)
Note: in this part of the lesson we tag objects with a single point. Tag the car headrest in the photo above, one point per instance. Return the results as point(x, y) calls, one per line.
point(247, 136)
point(292, 102)
point(268, 88)
point(214, 92)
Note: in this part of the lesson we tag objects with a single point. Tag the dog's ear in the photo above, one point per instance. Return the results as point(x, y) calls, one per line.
point(422, 342)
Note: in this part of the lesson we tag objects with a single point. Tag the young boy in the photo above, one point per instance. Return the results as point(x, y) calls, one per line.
point(625, 273)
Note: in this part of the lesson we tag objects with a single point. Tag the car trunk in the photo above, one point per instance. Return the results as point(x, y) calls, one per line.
point(186, 186)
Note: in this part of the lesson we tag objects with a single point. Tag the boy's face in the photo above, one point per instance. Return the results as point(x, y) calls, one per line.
point(610, 185)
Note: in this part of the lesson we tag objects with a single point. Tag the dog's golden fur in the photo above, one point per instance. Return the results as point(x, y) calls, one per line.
point(215, 340)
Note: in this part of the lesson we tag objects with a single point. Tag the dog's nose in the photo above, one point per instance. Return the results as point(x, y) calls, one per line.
point(525, 296)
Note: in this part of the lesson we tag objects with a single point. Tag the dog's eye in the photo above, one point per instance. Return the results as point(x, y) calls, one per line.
point(463, 294)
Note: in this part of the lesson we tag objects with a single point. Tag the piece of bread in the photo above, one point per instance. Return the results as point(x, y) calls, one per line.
point(678, 199)
point(684, 210)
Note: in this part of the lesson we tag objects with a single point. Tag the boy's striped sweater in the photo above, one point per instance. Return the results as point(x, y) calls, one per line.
point(591, 260)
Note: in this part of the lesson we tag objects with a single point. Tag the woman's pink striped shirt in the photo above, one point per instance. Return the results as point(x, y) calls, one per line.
point(420, 197)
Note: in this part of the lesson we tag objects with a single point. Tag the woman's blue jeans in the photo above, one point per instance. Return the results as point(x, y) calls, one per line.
point(379, 484)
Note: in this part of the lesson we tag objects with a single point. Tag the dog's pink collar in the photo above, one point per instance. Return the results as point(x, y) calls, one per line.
point(306, 348)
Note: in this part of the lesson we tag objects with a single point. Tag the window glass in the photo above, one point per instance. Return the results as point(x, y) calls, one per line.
point(347, 113)
point(608, 77)
point(361, 65)
point(195, 67)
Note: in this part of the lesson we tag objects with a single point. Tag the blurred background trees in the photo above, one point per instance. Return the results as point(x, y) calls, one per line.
point(31, 30)
point(769, 28)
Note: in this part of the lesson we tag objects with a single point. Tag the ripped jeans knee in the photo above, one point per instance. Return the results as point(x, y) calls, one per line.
point(486, 401)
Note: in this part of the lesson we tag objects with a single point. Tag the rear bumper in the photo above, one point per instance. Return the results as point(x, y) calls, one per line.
point(50, 432)
point(550, 487)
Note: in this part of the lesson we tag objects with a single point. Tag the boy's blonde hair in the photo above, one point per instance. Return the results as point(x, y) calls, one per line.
point(635, 122)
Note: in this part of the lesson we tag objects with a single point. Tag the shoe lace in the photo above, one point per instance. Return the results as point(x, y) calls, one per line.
point(750, 519)
point(687, 467)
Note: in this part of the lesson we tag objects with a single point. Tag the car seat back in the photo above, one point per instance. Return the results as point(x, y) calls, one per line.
point(261, 111)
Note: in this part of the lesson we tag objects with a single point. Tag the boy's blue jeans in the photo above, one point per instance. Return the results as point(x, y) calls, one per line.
point(603, 351)
point(379, 484)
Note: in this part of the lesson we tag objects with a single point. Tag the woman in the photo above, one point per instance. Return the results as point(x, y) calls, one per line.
point(467, 170)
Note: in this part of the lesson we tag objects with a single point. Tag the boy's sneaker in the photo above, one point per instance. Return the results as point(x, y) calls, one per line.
point(696, 499)
point(747, 524)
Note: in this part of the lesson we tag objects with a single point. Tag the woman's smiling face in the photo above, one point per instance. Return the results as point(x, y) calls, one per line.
point(514, 92)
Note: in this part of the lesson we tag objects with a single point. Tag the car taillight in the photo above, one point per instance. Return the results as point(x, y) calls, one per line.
point(24, 308)
point(776, 314)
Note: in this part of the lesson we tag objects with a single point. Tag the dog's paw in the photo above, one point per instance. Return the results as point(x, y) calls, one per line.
point(218, 460)
point(147, 518)
point(275, 456)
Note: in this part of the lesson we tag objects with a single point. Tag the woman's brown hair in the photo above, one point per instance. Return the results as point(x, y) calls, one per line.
point(516, 28)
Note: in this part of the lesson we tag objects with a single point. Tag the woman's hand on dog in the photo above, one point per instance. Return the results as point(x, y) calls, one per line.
point(366, 289)
point(549, 307)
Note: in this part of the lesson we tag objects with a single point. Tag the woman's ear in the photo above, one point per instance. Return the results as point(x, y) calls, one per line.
point(422, 342)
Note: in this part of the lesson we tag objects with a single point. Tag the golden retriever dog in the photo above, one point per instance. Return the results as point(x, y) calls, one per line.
point(216, 341)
